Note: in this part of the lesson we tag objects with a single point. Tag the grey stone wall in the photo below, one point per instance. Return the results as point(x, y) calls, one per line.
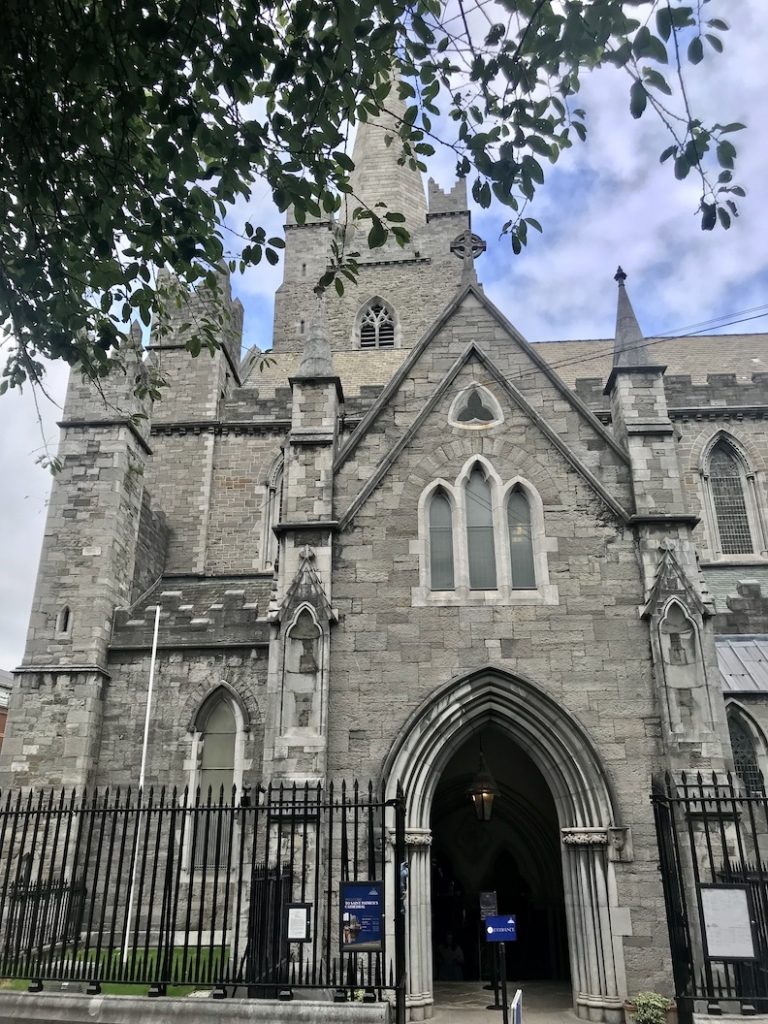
point(151, 548)
point(183, 680)
point(590, 652)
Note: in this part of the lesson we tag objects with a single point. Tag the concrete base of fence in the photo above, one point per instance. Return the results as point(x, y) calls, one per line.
point(73, 1008)
point(730, 1018)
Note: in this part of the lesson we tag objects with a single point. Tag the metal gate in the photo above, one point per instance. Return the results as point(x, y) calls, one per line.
point(713, 855)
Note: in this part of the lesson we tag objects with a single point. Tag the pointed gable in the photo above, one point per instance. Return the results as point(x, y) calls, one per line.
point(471, 328)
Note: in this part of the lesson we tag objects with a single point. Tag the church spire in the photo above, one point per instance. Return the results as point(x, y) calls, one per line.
point(378, 177)
point(629, 345)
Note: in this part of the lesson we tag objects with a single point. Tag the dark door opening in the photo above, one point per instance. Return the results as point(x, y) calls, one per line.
point(516, 854)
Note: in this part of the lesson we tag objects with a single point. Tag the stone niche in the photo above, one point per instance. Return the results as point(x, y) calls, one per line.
point(302, 671)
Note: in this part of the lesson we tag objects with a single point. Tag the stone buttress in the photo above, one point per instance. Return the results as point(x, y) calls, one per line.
point(301, 613)
point(678, 608)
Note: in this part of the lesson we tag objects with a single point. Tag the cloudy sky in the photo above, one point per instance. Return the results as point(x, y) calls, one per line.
point(608, 202)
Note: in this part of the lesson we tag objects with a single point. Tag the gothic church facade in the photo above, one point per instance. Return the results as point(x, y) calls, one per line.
point(411, 537)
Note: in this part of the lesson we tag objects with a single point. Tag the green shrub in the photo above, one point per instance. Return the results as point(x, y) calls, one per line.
point(650, 1008)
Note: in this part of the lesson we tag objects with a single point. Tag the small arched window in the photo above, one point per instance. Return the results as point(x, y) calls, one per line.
point(481, 551)
point(520, 541)
point(377, 326)
point(64, 621)
point(745, 755)
point(441, 542)
point(726, 478)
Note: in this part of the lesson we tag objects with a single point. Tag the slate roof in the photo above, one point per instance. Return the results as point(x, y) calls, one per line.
point(697, 356)
point(743, 663)
point(197, 611)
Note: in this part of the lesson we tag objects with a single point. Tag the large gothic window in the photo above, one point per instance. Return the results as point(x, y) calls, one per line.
point(441, 542)
point(729, 501)
point(520, 541)
point(216, 733)
point(481, 550)
point(377, 326)
point(482, 541)
point(744, 755)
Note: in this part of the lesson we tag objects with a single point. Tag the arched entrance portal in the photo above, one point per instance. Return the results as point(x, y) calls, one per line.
point(525, 719)
point(515, 854)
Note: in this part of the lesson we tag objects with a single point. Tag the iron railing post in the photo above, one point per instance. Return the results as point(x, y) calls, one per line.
point(400, 882)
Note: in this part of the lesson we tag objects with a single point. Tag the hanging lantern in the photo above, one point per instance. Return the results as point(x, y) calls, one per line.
point(482, 791)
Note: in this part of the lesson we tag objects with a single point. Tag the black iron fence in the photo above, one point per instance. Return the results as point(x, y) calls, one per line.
point(713, 849)
point(252, 894)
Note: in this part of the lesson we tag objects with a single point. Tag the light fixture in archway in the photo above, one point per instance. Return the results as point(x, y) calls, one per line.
point(483, 790)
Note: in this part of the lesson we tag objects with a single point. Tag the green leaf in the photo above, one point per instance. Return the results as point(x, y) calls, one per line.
point(714, 42)
point(377, 236)
point(664, 22)
point(638, 99)
point(696, 50)
point(726, 152)
point(708, 216)
point(682, 167)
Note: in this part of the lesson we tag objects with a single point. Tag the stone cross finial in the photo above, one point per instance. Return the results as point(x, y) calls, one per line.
point(467, 247)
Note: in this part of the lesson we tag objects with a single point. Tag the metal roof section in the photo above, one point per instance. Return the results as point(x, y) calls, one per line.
point(743, 662)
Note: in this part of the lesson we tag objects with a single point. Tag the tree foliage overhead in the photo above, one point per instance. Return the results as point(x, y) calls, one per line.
point(130, 126)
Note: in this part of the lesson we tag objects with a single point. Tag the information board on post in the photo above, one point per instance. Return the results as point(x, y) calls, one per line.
point(501, 928)
point(361, 917)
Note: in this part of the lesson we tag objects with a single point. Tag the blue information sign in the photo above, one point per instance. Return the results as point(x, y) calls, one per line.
point(361, 907)
point(501, 929)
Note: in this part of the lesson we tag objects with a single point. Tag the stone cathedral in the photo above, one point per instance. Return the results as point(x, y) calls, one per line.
point(412, 542)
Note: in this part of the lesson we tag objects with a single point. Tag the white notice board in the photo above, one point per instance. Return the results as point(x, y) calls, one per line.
point(727, 922)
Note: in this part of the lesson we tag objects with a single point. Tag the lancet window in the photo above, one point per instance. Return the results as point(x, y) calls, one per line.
point(745, 759)
point(484, 541)
point(730, 492)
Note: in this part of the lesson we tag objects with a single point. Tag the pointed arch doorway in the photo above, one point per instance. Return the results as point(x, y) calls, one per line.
point(572, 828)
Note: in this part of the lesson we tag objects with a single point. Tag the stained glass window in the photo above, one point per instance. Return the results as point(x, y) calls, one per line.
point(474, 411)
point(727, 483)
point(218, 731)
point(440, 542)
point(520, 541)
point(481, 552)
point(744, 755)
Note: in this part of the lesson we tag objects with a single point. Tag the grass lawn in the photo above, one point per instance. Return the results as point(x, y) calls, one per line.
point(138, 965)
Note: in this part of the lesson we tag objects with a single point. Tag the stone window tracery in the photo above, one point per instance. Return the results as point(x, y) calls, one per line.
point(745, 756)
point(475, 408)
point(731, 505)
point(483, 541)
point(377, 326)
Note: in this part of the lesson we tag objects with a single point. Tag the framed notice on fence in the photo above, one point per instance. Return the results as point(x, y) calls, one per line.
point(727, 913)
point(361, 914)
point(297, 924)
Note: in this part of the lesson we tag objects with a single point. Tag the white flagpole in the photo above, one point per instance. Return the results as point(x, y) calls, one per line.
point(142, 772)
